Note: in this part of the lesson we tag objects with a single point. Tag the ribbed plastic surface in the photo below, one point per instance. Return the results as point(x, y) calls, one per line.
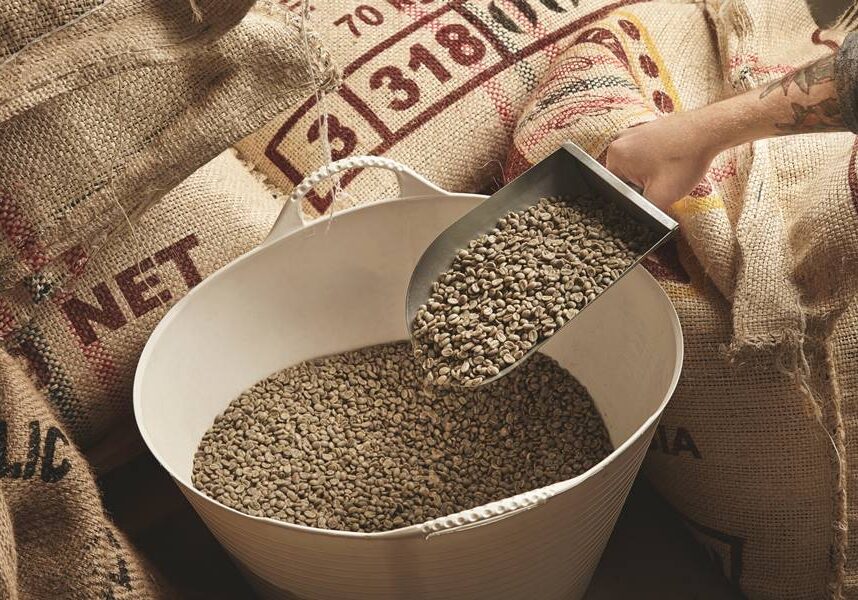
point(547, 552)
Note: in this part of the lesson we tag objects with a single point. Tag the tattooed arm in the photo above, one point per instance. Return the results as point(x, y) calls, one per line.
point(803, 101)
point(669, 156)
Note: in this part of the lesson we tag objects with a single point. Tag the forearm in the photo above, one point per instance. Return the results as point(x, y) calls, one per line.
point(668, 157)
point(803, 101)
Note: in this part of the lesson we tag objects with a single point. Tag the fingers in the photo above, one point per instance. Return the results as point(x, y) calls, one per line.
point(615, 162)
point(622, 158)
point(619, 167)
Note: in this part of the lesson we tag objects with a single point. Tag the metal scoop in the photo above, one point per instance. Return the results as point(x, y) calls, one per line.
point(567, 172)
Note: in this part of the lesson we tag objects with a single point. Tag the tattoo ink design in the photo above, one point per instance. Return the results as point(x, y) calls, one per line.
point(822, 113)
point(822, 116)
point(821, 71)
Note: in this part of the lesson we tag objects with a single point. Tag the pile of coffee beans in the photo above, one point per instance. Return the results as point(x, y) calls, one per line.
point(515, 286)
point(355, 442)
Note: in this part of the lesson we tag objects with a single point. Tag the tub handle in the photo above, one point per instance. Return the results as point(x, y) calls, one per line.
point(483, 515)
point(291, 217)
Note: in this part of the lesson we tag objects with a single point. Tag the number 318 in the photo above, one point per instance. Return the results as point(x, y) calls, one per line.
point(463, 47)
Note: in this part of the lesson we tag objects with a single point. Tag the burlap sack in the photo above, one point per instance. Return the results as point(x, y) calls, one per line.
point(752, 450)
point(55, 540)
point(105, 106)
point(437, 85)
point(82, 345)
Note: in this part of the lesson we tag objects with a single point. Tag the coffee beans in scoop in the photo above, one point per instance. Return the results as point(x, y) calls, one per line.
point(515, 286)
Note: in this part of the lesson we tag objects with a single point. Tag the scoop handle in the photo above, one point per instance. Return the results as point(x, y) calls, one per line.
point(291, 218)
point(489, 513)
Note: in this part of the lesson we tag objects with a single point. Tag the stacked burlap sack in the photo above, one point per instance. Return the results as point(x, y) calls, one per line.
point(104, 113)
point(438, 85)
point(754, 449)
point(55, 540)
point(104, 108)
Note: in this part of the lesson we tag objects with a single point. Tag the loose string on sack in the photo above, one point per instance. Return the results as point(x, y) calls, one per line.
point(824, 405)
point(321, 107)
point(48, 34)
point(196, 10)
point(141, 249)
point(848, 20)
point(841, 498)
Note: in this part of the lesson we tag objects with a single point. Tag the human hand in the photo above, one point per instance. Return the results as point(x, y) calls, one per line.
point(666, 157)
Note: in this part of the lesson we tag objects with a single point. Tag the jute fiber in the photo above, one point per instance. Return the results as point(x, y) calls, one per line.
point(82, 345)
point(106, 106)
point(55, 540)
point(437, 85)
point(754, 447)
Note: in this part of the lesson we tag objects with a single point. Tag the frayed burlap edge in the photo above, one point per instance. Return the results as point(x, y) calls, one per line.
point(847, 22)
point(258, 175)
point(795, 354)
point(834, 421)
point(804, 353)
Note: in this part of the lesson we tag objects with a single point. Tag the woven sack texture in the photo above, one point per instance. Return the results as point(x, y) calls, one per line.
point(106, 106)
point(437, 85)
point(82, 345)
point(55, 540)
point(754, 446)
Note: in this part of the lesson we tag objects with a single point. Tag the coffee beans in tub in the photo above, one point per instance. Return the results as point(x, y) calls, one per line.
point(356, 442)
point(516, 285)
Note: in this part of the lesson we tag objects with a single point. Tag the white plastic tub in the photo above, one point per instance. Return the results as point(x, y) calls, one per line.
point(329, 287)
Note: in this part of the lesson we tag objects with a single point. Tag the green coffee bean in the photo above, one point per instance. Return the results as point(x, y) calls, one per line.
point(355, 442)
point(554, 257)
